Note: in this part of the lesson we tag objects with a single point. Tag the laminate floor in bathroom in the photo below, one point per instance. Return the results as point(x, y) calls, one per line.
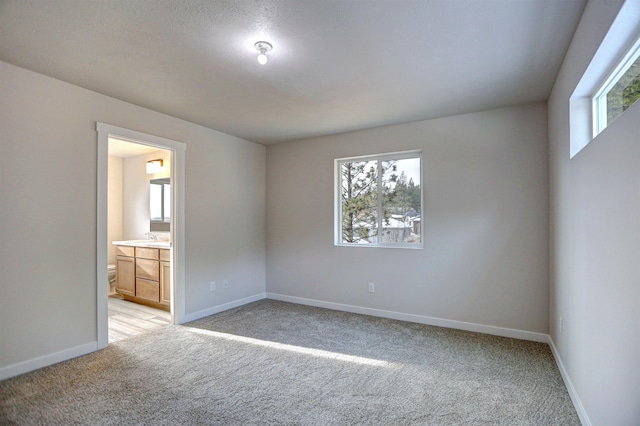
point(127, 319)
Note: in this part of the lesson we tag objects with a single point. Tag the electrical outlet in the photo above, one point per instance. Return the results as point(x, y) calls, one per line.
point(225, 284)
point(212, 286)
point(372, 287)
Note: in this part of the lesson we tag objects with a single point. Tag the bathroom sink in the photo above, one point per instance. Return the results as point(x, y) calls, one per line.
point(144, 243)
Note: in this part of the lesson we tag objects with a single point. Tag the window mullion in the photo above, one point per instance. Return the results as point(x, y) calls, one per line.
point(380, 213)
point(603, 119)
point(162, 203)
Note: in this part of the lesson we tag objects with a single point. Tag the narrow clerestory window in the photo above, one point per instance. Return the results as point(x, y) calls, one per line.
point(619, 91)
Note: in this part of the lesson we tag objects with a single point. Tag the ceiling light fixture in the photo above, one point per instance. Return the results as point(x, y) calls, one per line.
point(263, 47)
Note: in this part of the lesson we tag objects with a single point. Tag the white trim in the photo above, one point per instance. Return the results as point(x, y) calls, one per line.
point(421, 319)
point(102, 304)
point(224, 307)
point(616, 43)
point(177, 230)
point(396, 155)
point(577, 403)
point(600, 97)
point(46, 360)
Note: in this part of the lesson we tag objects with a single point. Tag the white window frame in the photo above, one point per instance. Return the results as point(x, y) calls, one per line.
point(618, 41)
point(600, 97)
point(403, 155)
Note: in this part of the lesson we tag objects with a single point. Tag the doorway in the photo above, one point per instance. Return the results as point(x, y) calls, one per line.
point(175, 152)
point(139, 240)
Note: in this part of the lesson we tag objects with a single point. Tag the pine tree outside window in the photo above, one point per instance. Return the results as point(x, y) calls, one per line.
point(379, 200)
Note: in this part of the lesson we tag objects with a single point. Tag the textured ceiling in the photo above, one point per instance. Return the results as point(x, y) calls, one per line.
point(336, 65)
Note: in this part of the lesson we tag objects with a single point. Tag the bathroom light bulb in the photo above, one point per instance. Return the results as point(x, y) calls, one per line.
point(154, 166)
point(262, 58)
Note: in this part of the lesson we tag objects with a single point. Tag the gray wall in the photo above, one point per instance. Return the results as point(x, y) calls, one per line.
point(596, 243)
point(48, 195)
point(485, 259)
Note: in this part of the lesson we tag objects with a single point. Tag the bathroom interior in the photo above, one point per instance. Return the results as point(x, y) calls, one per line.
point(139, 238)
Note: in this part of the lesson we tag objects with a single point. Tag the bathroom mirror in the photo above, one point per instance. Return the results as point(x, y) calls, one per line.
point(160, 205)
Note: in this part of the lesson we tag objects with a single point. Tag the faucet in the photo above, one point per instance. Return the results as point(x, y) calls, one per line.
point(151, 236)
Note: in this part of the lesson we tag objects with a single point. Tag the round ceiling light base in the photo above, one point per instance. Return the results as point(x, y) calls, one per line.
point(263, 46)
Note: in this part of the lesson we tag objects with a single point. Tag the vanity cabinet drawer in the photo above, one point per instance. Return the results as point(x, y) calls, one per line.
point(147, 253)
point(148, 269)
point(124, 251)
point(148, 290)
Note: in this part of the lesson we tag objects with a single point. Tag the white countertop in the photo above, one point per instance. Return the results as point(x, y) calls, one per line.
point(144, 243)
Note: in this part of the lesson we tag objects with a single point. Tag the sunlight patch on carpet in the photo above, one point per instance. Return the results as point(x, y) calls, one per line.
point(319, 353)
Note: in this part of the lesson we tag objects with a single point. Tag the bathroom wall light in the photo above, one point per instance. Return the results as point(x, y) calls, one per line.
point(263, 47)
point(154, 166)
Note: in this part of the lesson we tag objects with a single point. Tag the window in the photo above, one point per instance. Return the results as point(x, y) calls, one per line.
point(160, 204)
point(619, 91)
point(379, 200)
point(613, 62)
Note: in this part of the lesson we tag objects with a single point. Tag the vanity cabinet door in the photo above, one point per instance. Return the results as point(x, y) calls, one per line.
point(126, 275)
point(165, 283)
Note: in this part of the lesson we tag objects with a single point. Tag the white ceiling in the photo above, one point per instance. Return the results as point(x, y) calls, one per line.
point(336, 65)
point(124, 149)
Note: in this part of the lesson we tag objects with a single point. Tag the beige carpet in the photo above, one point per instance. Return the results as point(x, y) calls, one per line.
point(275, 363)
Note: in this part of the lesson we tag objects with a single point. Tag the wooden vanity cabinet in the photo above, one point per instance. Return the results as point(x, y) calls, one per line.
point(143, 275)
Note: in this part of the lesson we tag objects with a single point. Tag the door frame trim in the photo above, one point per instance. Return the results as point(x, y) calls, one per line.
point(178, 150)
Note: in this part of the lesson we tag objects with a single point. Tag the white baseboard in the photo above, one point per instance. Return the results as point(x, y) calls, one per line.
point(46, 360)
point(577, 403)
point(214, 310)
point(421, 319)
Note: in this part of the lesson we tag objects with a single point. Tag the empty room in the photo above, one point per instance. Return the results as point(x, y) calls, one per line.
point(331, 212)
